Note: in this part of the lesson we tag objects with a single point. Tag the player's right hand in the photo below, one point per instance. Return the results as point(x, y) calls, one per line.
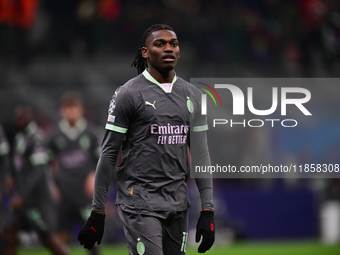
point(92, 231)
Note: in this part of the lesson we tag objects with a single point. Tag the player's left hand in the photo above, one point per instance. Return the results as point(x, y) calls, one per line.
point(205, 228)
point(92, 231)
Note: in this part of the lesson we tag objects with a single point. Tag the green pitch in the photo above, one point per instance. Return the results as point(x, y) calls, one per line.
point(241, 248)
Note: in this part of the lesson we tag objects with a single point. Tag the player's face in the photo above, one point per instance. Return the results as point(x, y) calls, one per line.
point(162, 50)
point(72, 113)
point(22, 119)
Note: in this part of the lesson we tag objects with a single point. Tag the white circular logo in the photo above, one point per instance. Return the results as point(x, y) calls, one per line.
point(190, 105)
point(140, 247)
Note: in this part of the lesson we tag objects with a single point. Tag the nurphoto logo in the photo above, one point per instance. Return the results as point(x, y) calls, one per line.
point(279, 98)
point(268, 127)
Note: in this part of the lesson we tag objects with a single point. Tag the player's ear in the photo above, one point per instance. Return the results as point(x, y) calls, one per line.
point(144, 51)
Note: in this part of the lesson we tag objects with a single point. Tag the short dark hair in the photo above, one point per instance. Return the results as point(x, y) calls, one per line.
point(141, 63)
point(24, 110)
point(71, 99)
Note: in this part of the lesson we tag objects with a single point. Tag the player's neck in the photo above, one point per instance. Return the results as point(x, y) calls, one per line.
point(162, 77)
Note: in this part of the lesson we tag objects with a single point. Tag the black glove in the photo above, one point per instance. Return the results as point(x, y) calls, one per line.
point(92, 231)
point(206, 228)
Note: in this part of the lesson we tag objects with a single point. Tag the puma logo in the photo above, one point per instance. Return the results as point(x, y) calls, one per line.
point(153, 105)
point(93, 229)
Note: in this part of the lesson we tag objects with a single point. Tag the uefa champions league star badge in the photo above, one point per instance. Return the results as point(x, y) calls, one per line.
point(190, 105)
point(112, 106)
point(140, 247)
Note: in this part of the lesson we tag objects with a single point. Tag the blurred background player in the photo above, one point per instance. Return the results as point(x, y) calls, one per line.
point(32, 205)
point(4, 171)
point(75, 147)
point(4, 159)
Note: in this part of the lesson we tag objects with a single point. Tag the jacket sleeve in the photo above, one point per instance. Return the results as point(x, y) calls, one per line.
point(105, 168)
point(200, 157)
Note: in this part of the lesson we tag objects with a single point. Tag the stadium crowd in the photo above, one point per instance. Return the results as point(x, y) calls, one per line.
point(280, 38)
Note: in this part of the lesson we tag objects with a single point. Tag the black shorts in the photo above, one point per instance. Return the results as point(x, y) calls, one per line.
point(150, 235)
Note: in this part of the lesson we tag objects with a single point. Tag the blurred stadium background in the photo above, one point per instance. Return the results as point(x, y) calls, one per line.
point(50, 47)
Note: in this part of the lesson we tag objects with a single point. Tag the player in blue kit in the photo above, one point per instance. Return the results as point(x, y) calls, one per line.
point(152, 119)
